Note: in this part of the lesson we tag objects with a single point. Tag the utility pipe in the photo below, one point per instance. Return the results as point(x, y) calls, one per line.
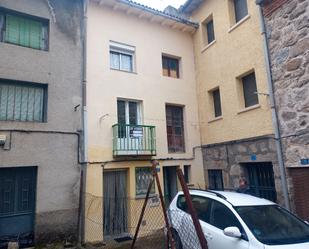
point(273, 108)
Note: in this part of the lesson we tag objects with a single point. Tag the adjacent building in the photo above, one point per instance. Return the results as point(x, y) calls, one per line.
point(234, 109)
point(40, 119)
point(141, 100)
point(287, 26)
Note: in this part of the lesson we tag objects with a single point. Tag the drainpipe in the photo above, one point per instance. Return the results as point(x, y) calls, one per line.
point(84, 153)
point(273, 108)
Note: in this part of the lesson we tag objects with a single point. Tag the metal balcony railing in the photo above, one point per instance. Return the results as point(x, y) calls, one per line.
point(133, 140)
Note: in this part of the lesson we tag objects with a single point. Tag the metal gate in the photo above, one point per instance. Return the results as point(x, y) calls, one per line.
point(261, 180)
point(17, 205)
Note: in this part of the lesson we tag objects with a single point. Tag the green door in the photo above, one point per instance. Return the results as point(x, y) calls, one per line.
point(17, 205)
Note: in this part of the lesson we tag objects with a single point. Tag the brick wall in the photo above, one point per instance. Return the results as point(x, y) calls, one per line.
point(300, 178)
point(271, 5)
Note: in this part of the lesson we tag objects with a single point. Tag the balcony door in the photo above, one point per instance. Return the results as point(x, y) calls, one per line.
point(130, 133)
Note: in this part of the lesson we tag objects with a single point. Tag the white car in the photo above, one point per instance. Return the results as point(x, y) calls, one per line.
point(236, 221)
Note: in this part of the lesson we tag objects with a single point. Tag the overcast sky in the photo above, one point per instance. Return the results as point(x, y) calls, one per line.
point(161, 4)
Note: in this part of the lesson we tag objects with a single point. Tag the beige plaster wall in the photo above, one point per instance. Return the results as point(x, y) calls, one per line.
point(236, 51)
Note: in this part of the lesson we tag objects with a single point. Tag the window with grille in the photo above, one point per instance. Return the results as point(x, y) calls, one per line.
point(23, 30)
point(143, 177)
point(170, 67)
point(22, 101)
point(121, 57)
point(250, 90)
point(241, 9)
point(175, 129)
point(215, 179)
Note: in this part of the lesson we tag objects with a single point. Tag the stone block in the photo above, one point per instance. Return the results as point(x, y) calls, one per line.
point(300, 48)
point(293, 64)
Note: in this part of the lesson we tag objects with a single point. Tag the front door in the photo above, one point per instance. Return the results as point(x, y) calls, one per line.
point(17, 204)
point(261, 180)
point(170, 183)
point(115, 209)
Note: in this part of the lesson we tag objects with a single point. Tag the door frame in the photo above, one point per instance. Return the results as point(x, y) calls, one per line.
point(35, 188)
point(126, 170)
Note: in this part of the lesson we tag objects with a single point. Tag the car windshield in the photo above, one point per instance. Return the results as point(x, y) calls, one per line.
point(273, 225)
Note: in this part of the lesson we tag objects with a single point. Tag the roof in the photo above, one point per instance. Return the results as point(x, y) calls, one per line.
point(236, 199)
point(160, 13)
point(189, 6)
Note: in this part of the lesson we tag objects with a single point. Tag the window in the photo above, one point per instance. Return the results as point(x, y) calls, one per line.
point(210, 31)
point(121, 57)
point(175, 129)
point(241, 9)
point(170, 66)
point(216, 103)
point(129, 114)
point(250, 90)
point(201, 205)
point(222, 217)
point(143, 177)
point(22, 101)
point(215, 179)
point(23, 30)
point(187, 173)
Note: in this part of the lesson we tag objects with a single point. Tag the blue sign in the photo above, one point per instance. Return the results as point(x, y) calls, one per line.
point(253, 157)
point(304, 161)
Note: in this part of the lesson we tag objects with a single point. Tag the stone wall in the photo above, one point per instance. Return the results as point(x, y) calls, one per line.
point(230, 157)
point(288, 32)
point(288, 38)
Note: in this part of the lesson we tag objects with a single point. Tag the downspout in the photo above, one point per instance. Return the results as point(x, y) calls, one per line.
point(273, 109)
point(84, 153)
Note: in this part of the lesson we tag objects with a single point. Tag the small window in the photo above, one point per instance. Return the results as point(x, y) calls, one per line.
point(22, 101)
point(170, 67)
point(250, 90)
point(187, 173)
point(121, 57)
point(215, 179)
point(210, 31)
point(175, 129)
point(143, 177)
point(241, 9)
point(23, 30)
point(222, 217)
point(217, 103)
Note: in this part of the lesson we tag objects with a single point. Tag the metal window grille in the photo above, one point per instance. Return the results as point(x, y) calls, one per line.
point(143, 176)
point(215, 179)
point(250, 90)
point(22, 102)
point(23, 31)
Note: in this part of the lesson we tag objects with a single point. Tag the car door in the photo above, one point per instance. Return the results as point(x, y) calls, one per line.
point(220, 218)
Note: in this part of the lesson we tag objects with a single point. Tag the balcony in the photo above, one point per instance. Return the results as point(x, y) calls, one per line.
point(134, 140)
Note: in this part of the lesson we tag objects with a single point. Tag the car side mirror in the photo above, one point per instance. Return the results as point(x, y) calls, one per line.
point(232, 232)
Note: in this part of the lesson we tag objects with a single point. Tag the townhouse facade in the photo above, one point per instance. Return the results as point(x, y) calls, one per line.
point(288, 43)
point(237, 134)
point(141, 100)
point(40, 120)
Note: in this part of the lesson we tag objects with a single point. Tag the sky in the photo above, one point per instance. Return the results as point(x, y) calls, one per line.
point(161, 4)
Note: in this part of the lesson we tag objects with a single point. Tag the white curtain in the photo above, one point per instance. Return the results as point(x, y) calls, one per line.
point(126, 62)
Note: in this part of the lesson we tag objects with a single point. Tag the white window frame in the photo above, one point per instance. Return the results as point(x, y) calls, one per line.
point(123, 49)
point(139, 110)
